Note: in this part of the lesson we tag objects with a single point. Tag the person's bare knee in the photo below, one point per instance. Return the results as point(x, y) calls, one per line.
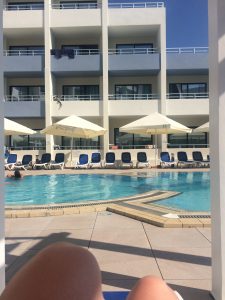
point(60, 271)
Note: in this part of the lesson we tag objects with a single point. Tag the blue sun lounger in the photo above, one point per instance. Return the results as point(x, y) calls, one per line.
point(44, 162)
point(115, 295)
point(83, 161)
point(58, 162)
point(126, 160)
point(110, 159)
point(183, 159)
point(142, 160)
point(11, 161)
point(95, 160)
point(26, 162)
point(165, 160)
point(198, 159)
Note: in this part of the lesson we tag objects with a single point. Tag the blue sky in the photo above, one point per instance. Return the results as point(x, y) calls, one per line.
point(187, 22)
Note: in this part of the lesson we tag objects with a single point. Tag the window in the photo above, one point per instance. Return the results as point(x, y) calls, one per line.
point(74, 91)
point(25, 5)
point(27, 93)
point(26, 50)
point(79, 143)
point(26, 142)
point(189, 90)
point(188, 140)
point(133, 91)
point(130, 141)
point(133, 48)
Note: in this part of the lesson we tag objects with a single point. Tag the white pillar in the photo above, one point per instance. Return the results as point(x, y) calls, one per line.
point(2, 204)
point(105, 77)
point(48, 74)
point(217, 142)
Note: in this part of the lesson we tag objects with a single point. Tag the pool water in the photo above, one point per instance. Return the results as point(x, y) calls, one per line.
point(47, 189)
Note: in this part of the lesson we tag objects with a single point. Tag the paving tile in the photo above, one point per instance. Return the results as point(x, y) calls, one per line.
point(133, 237)
point(184, 263)
point(118, 285)
point(206, 232)
point(119, 265)
point(22, 224)
point(73, 221)
point(192, 289)
point(107, 220)
point(175, 237)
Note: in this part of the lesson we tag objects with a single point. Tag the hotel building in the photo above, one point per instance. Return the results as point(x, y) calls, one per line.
point(105, 62)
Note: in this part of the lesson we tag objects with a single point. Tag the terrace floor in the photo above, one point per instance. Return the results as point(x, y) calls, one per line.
point(125, 249)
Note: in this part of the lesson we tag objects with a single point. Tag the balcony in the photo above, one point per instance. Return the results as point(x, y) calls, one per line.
point(83, 105)
point(23, 62)
point(184, 61)
point(23, 15)
point(187, 96)
point(87, 15)
point(24, 106)
point(133, 97)
point(134, 61)
point(76, 62)
point(136, 105)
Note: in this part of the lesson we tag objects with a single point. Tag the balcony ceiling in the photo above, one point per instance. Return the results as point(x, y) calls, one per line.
point(25, 33)
point(64, 32)
point(131, 31)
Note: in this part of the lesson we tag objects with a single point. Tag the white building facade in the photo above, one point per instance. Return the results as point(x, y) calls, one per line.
point(105, 62)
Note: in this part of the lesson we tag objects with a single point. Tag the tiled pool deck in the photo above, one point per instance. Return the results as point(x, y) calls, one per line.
point(126, 249)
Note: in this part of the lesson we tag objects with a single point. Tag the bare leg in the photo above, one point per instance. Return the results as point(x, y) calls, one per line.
point(61, 271)
point(151, 288)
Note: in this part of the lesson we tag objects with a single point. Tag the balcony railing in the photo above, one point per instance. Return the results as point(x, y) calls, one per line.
point(25, 6)
point(133, 97)
point(133, 51)
point(76, 98)
point(187, 95)
point(24, 98)
point(137, 5)
point(75, 6)
point(23, 52)
point(192, 50)
point(58, 53)
point(83, 147)
point(187, 145)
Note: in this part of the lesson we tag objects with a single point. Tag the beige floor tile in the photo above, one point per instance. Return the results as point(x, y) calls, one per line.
point(107, 220)
point(133, 237)
point(73, 221)
point(175, 237)
point(184, 263)
point(22, 224)
point(118, 285)
point(206, 232)
point(192, 289)
point(119, 265)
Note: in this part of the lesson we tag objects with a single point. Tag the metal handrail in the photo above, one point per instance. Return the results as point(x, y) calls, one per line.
point(192, 50)
point(23, 52)
point(137, 5)
point(68, 52)
point(59, 147)
point(75, 6)
point(133, 51)
point(11, 98)
point(76, 98)
point(187, 95)
point(169, 145)
point(28, 6)
point(133, 96)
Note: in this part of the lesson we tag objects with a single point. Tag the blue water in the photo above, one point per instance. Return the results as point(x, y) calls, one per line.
point(46, 189)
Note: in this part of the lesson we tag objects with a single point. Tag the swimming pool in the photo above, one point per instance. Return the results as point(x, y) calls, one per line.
point(64, 188)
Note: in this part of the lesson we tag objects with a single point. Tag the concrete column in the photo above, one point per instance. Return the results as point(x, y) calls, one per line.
point(48, 74)
point(2, 204)
point(162, 139)
point(217, 142)
point(105, 77)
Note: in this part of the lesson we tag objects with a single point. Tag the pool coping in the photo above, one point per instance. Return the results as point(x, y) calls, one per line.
point(141, 207)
